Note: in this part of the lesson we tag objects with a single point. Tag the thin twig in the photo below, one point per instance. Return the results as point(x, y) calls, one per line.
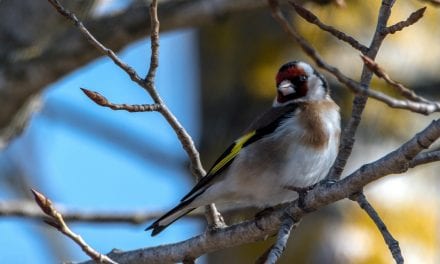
point(379, 72)
point(102, 101)
point(29, 210)
point(56, 220)
point(424, 158)
point(185, 139)
point(272, 255)
point(392, 243)
point(312, 18)
point(100, 47)
point(154, 59)
point(412, 19)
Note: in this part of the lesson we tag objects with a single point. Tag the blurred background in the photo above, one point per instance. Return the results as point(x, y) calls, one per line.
point(217, 65)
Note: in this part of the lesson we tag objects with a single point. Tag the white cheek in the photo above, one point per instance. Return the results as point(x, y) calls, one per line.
point(307, 68)
point(316, 89)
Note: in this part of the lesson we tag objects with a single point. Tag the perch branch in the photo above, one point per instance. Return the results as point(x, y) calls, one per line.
point(396, 161)
point(392, 243)
point(56, 220)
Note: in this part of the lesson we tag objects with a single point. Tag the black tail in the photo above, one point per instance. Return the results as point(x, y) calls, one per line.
point(167, 219)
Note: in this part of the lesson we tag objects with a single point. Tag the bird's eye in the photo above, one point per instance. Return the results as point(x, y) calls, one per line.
point(302, 78)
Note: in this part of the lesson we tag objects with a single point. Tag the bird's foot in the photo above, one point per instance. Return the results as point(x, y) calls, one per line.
point(261, 214)
point(327, 182)
point(264, 212)
point(302, 193)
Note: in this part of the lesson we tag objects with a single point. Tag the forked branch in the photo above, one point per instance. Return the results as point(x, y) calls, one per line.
point(213, 216)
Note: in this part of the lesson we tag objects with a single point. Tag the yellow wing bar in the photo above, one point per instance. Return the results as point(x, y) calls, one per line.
point(238, 145)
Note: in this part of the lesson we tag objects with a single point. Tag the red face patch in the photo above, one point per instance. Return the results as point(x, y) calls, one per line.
point(289, 74)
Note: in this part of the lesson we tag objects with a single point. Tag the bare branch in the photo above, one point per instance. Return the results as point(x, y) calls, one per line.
point(102, 101)
point(56, 220)
point(358, 88)
point(312, 18)
point(188, 145)
point(100, 47)
point(392, 243)
point(154, 59)
point(379, 72)
point(361, 89)
point(424, 158)
point(360, 101)
point(30, 210)
point(272, 255)
point(257, 230)
point(413, 18)
point(59, 54)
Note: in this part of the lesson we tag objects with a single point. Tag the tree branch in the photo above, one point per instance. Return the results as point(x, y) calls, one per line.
point(379, 72)
point(360, 100)
point(392, 243)
point(65, 51)
point(56, 220)
point(154, 58)
point(29, 210)
point(396, 161)
point(412, 19)
point(424, 158)
point(92, 40)
point(313, 19)
point(187, 143)
point(102, 101)
point(272, 255)
point(361, 89)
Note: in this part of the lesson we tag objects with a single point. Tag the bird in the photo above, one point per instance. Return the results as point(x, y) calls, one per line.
point(291, 145)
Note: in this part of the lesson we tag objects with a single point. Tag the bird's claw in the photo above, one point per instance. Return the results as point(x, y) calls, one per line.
point(302, 193)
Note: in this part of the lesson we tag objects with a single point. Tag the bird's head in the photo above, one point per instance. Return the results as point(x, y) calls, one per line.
point(298, 80)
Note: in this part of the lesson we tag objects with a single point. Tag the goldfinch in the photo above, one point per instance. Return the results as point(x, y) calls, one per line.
point(293, 144)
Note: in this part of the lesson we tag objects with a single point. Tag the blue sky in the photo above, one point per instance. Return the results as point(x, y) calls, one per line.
point(88, 157)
